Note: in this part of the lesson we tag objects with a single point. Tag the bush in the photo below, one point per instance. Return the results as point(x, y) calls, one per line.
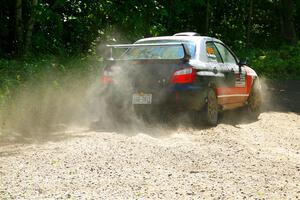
point(18, 74)
point(279, 64)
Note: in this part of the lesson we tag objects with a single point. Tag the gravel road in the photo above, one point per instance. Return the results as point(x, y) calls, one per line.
point(238, 159)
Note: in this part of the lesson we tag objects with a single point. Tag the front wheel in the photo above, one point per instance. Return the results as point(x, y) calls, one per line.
point(212, 108)
point(255, 101)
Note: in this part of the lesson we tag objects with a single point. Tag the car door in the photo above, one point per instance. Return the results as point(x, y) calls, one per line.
point(235, 90)
point(216, 63)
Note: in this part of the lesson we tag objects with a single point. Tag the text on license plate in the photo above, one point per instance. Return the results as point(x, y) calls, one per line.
point(141, 98)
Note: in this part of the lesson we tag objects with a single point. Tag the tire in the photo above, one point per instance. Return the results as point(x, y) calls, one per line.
point(255, 101)
point(117, 113)
point(212, 108)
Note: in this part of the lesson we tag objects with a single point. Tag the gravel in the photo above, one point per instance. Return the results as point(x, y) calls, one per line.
point(247, 160)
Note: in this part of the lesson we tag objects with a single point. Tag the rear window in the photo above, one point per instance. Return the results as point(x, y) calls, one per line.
point(159, 52)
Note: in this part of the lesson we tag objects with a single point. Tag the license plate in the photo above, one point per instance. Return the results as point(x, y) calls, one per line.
point(141, 98)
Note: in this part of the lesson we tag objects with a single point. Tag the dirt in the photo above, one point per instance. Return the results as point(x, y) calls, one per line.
point(238, 159)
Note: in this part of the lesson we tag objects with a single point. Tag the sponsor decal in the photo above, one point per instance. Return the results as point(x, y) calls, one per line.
point(210, 50)
point(240, 79)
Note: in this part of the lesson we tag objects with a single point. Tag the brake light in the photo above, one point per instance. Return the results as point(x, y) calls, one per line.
point(106, 77)
point(187, 75)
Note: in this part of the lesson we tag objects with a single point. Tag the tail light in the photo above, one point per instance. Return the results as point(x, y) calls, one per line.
point(187, 75)
point(106, 77)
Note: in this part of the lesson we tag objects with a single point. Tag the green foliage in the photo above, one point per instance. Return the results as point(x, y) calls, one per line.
point(19, 75)
point(71, 27)
point(280, 64)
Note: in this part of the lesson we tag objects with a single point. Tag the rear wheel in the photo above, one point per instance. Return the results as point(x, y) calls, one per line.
point(212, 108)
point(255, 100)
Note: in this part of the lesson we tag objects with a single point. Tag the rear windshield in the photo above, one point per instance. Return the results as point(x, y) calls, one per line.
point(159, 52)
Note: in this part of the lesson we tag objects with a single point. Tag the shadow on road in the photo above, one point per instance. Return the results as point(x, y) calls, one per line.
point(282, 96)
point(9, 137)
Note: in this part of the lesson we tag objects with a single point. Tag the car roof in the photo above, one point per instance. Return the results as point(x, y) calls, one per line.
point(175, 38)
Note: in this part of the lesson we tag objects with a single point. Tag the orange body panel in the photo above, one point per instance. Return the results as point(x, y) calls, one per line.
point(234, 95)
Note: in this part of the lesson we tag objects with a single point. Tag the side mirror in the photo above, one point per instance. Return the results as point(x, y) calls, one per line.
point(241, 63)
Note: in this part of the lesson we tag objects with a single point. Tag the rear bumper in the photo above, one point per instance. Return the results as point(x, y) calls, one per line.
point(179, 97)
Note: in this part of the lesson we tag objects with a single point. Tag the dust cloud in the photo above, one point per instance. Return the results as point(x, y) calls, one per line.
point(59, 103)
point(116, 110)
point(267, 95)
point(38, 108)
point(76, 100)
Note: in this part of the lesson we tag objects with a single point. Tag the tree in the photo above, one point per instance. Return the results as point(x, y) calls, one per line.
point(30, 26)
point(250, 15)
point(70, 27)
point(18, 27)
point(207, 17)
point(287, 21)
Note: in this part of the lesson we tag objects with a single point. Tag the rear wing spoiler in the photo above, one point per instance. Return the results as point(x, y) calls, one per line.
point(186, 57)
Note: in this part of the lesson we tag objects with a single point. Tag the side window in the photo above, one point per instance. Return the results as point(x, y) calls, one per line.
point(225, 54)
point(212, 53)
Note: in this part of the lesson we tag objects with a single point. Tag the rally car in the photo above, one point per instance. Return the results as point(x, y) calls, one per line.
point(183, 72)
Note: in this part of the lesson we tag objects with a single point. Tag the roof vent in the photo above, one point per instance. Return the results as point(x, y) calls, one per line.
point(187, 34)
